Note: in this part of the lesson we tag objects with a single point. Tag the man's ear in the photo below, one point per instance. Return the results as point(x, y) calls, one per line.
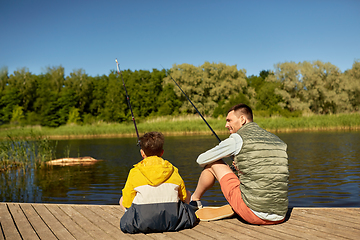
point(242, 120)
point(162, 153)
point(142, 153)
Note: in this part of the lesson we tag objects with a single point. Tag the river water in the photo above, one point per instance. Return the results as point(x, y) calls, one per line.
point(324, 170)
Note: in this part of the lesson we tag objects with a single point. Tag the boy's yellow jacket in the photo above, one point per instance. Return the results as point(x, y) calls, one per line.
point(153, 195)
point(149, 174)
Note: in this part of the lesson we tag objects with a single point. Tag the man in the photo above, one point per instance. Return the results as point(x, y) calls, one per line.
point(259, 193)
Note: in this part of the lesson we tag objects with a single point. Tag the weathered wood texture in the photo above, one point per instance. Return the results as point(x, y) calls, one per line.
point(65, 221)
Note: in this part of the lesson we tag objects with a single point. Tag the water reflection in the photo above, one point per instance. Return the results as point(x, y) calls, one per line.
point(324, 170)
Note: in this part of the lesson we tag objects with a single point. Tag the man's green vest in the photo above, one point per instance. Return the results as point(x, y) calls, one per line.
point(264, 174)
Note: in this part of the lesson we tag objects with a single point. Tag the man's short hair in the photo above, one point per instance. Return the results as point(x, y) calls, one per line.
point(152, 143)
point(244, 109)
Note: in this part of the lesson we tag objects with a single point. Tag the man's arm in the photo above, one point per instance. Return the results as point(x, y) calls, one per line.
point(230, 146)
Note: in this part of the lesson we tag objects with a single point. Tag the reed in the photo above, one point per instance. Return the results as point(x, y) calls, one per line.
point(311, 123)
point(185, 125)
point(16, 151)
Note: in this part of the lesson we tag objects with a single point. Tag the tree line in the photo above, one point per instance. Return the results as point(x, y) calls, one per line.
point(291, 89)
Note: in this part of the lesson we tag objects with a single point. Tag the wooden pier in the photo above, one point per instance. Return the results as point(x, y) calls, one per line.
point(68, 221)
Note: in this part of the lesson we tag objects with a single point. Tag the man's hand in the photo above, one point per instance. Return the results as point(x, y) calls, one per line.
point(234, 166)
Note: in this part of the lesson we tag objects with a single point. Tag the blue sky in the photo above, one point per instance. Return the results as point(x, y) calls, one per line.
point(254, 35)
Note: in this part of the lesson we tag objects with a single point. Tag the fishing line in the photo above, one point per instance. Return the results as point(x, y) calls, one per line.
point(128, 101)
point(231, 157)
point(194, 106)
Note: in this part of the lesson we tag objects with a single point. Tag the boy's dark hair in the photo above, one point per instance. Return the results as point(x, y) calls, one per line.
point(244, 109)
point(152, 143)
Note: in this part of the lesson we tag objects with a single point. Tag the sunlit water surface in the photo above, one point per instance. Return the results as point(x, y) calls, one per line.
point(324, 170)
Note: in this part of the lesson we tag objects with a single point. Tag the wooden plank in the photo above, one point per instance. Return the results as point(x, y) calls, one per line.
point(241, 229)
point(97, 218)
point(82, 221)
point(351, 213)
point(21, 221)
point(115, 210)
point(177, 235)
point(53, 223)
point(327, 218)
point(194, 234)
point(158, 236)
point(342, 218)
point(35, 220)
point(310, 228)
point(114, 219)
point(68, 223)
point(224, 227)
point(2, 237)
point(7, 224)
point(251, 230)
point(207, 228)
point(325, 225)
point(298, 230)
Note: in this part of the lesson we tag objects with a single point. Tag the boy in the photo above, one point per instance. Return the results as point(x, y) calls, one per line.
point(154, 193)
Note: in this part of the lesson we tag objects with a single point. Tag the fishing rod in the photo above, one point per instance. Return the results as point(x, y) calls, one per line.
point(128, 101)
point(194, 107)
point(231, 157)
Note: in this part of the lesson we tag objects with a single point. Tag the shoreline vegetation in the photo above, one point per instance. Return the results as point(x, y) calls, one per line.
point(185, 125)
point(24, 146)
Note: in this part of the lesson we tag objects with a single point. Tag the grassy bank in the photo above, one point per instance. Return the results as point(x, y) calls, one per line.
point(188, 125)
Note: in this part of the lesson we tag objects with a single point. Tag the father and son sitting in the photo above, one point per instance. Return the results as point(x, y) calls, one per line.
point(155, 198)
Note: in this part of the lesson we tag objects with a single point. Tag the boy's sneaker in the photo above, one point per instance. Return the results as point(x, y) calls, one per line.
point(195, 205)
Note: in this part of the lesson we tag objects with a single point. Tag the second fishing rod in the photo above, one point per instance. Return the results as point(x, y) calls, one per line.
point(128, 101)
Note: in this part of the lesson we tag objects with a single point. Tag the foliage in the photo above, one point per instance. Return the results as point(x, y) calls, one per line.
point(74, 116)
point(317, 87)
point(207, 85)
point(291, 89)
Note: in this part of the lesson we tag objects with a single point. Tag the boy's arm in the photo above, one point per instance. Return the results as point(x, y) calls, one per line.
point(128, 192)
point(182, 191)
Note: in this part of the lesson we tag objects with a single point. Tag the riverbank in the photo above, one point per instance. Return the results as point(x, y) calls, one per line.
point(187, 125)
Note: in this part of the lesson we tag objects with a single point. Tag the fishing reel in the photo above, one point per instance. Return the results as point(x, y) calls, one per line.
point(232, 167)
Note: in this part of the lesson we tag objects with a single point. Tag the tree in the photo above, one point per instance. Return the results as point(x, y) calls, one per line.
point(168, 102)
point(352, 85)
point(291, 89)
point(67, 100)
point(82, 85)
point(9, 99)
point(17, 115)
point(325, 87)
point(207, 85)
point(74, 116)
point(48, 91)
point(99, 94)
point(4, 78)
point(115, 100)
point(51, 113)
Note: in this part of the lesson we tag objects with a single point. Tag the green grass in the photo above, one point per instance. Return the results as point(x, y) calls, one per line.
point(21, 146)
point(182, 125)
point(312, 123)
